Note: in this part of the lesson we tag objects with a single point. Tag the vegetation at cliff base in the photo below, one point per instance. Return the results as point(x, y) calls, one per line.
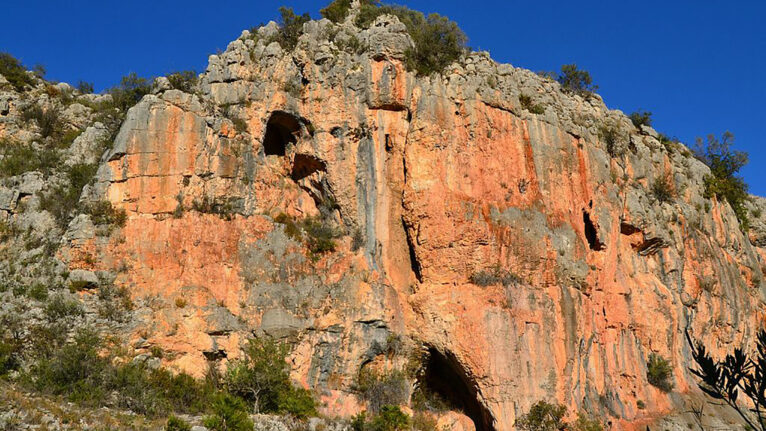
point(723, 181)
point(545, 416)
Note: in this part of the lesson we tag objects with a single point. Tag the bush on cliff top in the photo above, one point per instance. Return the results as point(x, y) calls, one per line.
point(12, 69)
point(290, 27)
point(338, 10)
point(438, 41)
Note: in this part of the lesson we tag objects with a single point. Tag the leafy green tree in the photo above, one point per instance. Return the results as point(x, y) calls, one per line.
point(290, 27)
point(261, 378)
point(641, 118)
point(229, 414)
point(723, 182)
point(543, 416)
point(438, 41)
point(576, 81)
point(739, 373)
point(130, 91)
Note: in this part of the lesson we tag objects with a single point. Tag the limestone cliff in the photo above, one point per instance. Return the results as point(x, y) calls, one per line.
point(429, 182)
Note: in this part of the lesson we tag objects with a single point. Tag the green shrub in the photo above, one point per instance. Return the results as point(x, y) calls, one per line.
point(663, 189)
point(723, 182)
point(576, 81)
point(526, 103)
point(585, 422)
point(381, 389)
point(320, 235)
point(63, 200)
point(104, 213)
point(336, 11)
point(659, 373)
point(438, 41)
point(177, 424)
point(48, 120)
point(493, 276)
point(543, 416)
point(390, 418)
point(60, 307)
point(12, 69)
point(290, 27)
point(19, 158)
point(610, 135)
point(184, 80)
point(114, 303)
point(641, 118)
point(85, 87)
point(229, 414)
point(130, 91)
point(424, 422)
point(261, 378)
point(76, 369)
point(38, 292)
point(10, 355)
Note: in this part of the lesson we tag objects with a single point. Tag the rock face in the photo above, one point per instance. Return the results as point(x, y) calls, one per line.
point(435, 184)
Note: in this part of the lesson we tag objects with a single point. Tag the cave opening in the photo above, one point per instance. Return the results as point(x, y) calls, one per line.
point(282, 129)
point(445, 382)
point(304, 165)
point(591, 234)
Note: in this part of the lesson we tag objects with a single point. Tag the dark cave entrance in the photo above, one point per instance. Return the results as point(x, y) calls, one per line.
point(445, 382)
point(591, 234)
point(281, 130)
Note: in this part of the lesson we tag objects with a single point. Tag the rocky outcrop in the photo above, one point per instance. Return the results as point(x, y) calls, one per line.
point(430, 181)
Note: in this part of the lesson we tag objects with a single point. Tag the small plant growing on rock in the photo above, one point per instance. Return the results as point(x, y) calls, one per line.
point(610, 135)
point(576, 81)
point(177, 424)
point(723, 181)
point(493, 276)
point(662, 188)
point(184, 80)
point(526, 103)
point(229, 414)
point(641, 118)
point(12, 69)
point(659, 373)
point(85, 87)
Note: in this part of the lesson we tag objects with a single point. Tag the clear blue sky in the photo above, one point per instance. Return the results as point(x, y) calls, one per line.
point(699, 66)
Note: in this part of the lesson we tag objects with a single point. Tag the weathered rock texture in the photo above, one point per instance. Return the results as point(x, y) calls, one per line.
point(433, 180)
